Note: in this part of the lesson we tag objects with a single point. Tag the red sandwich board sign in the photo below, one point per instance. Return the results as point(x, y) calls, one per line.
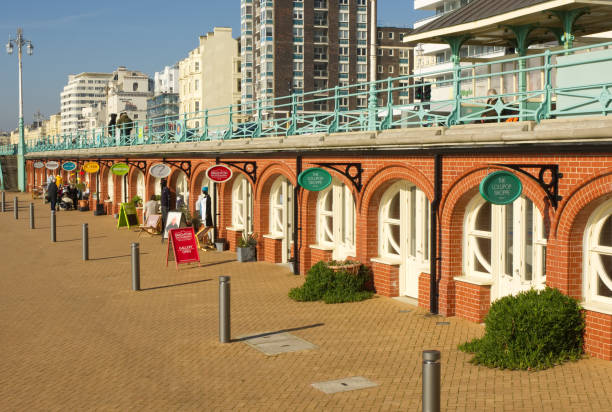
point(184, 246)
point(219, 173)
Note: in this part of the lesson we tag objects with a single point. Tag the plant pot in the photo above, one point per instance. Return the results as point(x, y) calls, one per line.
point(352, 268)
point(246, 254)
point(220, 245)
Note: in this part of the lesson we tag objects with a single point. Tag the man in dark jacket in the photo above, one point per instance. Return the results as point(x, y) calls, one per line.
point(165, 203)
point(125, 125)
point(52, 193)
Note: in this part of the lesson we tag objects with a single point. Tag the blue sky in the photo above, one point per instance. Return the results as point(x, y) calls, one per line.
point(75, 36)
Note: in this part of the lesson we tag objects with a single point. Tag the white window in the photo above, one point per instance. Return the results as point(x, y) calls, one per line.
point(380, 34)
point(343, 68)
point(336, 220)
point(343, 34)
point(281, 214)
point(182, 188)
point(343, 51)
point(242, 205)
point(343, 17)
point(597, 256)
point(362, 35)
point(403, 233)
point(380, 69)
point(390, 69)
point(362, 17)
point(110, 186)
point(505, 244)
point(140, 185)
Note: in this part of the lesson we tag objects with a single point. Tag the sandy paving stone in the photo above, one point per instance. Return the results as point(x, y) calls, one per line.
point(74, 336)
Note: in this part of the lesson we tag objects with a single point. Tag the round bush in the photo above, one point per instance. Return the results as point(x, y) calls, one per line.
point(532, 330)
point(322, 283)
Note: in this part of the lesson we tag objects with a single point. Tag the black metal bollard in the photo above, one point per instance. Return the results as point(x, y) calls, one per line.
point(85, 242)
point(3, 203)
point(431, 381)
point(31, 215)
point(53, 226)
point(16, 208)
point(224, 309)
point(135, 266)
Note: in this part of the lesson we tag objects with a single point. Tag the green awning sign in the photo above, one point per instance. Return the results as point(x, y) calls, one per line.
point(501, 187)
point(120, 169)
point(314, 179)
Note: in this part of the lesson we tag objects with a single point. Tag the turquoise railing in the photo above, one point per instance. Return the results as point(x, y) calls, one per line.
point(326, 111)
point(8, 149)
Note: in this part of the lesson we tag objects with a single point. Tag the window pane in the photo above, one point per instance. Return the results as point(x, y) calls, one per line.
point(529, 250)
point(412, 222)
point(484, 246)
point(394, 207)
point(605, 237)
point(483, 220)
point(394, 233)
point(328, 201)
point(509, 235)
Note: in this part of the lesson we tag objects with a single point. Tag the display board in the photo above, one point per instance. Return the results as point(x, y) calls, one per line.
point(153, 222)
point(175, 221)
point(127, 216)
point(184, 246)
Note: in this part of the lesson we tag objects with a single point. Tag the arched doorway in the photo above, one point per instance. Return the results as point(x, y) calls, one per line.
point(505, 244)
point(281, 219)
point(403, 233)
point(242, 205)
point(181, 189)
point(336, 220)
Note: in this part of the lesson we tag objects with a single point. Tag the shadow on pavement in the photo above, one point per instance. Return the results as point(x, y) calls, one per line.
point(177, 284)
point(261, 335)
point(91, 237)
point(208, 264)
point(116, 257)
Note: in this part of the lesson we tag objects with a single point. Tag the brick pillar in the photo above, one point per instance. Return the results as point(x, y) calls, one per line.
point(598, 335)
point(386, 279)
point(472, 301)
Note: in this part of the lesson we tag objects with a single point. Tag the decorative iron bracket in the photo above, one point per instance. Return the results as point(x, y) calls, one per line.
point(105, 162)
point(551, 188)
point(249, 168)
point(352, 171)
point(139, 164)
point(184, 165)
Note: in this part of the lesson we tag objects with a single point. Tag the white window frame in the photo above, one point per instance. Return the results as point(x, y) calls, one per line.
point(110, 186)
point(337, 233)
point(497, 267)
point(242, 205)
point(593, 269)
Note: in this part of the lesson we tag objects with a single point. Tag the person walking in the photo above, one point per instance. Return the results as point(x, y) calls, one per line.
point(111, 126)
point(52, 193)
point(125, 125)
point(165, 203)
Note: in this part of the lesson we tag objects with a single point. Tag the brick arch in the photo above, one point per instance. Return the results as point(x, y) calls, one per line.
point(172, 179)
point(370, 203)
point(133, 182)
point(345, 180)
point(564, 252)
point(452, 210)
point(268, 176)
point(225, 207)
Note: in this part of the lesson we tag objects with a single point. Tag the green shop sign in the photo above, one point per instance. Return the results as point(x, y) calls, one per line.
point(314, 179)
point(501, 187)
point(120, 169)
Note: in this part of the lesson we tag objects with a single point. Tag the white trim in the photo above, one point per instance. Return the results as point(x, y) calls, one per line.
point(387, 261)
point(321, 247)
point(474, 280)
point(273, 237)
point(597, 307)
point(235, 229)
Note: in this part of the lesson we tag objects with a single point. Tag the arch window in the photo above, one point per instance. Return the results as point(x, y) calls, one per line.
point(403, 237)
point(598, 256)
point(505, 244)
point(140, 185)
point(281, 207)
point(336, 220)
point(242, 205)
point(110, 186)
point(182, 188)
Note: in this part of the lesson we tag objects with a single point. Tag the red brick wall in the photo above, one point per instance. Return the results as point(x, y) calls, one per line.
point(273, 250)
point(473, 301)
point(424, 290)
point(598, 335)
point(386, 279)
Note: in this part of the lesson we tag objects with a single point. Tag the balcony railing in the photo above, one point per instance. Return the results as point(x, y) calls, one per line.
point(8, 149)
point(562, 83)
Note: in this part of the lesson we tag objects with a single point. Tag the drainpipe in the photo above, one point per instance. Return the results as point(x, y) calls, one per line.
point(296, 218)
point(433, 236)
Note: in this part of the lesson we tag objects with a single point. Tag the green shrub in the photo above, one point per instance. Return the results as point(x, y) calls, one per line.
point(533, 330)
point(322, 283)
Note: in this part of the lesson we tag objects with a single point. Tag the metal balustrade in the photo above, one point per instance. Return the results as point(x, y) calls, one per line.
point(455, 101)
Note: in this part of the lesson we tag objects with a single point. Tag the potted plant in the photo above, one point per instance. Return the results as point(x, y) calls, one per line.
point(136, 201)
point(220, 244)
point(246, 251)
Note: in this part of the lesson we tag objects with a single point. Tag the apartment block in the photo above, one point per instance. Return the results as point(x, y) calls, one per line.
point(82, 90)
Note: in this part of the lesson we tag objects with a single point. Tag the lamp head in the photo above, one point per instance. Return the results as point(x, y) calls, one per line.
point(29, 48)
point(9, 47)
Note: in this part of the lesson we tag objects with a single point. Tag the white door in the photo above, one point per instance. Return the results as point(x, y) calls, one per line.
point(242, 205)
point(281, 215)
point(404, 234)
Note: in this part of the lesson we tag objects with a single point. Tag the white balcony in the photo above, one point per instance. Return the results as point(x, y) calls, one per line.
point(427, 4)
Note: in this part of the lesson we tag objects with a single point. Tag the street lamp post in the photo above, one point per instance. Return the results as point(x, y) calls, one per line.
point(372, 100)
point(20, 41)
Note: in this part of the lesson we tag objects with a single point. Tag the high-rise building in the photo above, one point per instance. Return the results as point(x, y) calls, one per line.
point(167, 80)
point(307, 46)
point(81, 91)
point(209, 77)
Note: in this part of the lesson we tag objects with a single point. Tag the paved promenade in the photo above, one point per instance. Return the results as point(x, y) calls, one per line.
point(74, 336)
